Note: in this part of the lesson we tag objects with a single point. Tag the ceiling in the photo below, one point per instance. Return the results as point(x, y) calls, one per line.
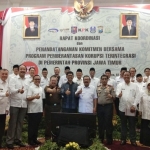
point(33, 3)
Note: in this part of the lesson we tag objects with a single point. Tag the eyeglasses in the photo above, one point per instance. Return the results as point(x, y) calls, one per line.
point(104, 79)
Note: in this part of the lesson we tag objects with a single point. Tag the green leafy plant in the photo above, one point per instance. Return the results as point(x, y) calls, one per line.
point(49, 145)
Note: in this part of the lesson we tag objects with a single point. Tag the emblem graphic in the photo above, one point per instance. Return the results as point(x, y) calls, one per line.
point(83, 10)
point(74, 29)
point(92, 29)
point(100, 29)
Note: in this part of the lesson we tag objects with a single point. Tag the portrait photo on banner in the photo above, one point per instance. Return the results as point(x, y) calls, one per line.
point(129, 25)
point(31, 26)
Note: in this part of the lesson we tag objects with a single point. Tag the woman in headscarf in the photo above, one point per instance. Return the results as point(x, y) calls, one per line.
point(144, 108)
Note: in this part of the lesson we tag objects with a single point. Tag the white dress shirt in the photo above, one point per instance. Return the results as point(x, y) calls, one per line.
point(111, 82)
point(78, 81)
point(18, 99)
point(95, 82)
point(29, 79)
point(130, 95)
point(43, 84)
point(12, 75)
point(35, 105)
point(118, 80)
point(141, 85)
point(4, 101)
point(144, 106)
point(62, 80)
point(146, 77)
point(133, 78)
point(86, 98)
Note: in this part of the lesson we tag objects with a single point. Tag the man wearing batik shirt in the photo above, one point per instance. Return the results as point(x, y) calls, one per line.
point(69, 100)
point(4, 102)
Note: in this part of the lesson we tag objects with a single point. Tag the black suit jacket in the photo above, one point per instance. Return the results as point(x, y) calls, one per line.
point(28, 32)
point(125, 31)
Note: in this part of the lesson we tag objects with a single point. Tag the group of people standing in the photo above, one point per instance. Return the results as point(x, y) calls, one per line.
point(31, 94)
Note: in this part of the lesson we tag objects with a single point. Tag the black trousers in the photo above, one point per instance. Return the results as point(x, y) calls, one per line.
point(34, 120)
point(48, 123)
point(105, 115)
point(117, 105)
point(125, 120)
point(2, 126)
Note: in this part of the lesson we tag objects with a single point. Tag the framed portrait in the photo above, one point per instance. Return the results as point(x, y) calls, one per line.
point(31, 26)
point(129, 25)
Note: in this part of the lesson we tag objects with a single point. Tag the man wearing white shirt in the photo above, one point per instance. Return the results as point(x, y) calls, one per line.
point(140, 83)
point(15, 71)
point(146, 78)
point(56, 74)
point(44, 82)
point(94, 81)
point(111, 82)
point(78, 79)
point(4, 102)
point(87, 96)
point(129, 96)
point(18, 106)
point(30, 75)
point(118, 80)
point(63, 79)
point(133, 76)
point(35, 110)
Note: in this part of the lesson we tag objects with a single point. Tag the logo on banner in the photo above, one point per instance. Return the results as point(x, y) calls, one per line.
point(100, 29)
point(74, 29)
point(30, 64)
point(83, 10)
point(83, 30)
point(53, 30)
point(64, 30)
point(92, 29)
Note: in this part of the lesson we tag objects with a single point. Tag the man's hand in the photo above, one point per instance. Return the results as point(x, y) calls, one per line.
point(94, 110)
point(37, 96)
point(120, 95)
point(145, 79)
point(7, 94)
point(21, 90)
point(67, 92)
point(109, 96)
point(80, 91)
point(132, 109)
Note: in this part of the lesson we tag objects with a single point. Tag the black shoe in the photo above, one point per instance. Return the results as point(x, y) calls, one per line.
point(10, 146)
point(133, 143)
point(123, 142)
point(32, 143)
point(37, 142)
point(19, 143)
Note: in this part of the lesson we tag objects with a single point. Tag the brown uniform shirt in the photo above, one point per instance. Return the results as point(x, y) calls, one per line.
point(52, 99)
point(102, 94)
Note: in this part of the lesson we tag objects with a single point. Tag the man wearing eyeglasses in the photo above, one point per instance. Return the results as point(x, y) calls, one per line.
point(106, 95)
point(35, 110)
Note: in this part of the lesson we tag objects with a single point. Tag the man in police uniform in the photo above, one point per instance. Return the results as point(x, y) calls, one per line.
point(53, 103)
point(106, 95)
